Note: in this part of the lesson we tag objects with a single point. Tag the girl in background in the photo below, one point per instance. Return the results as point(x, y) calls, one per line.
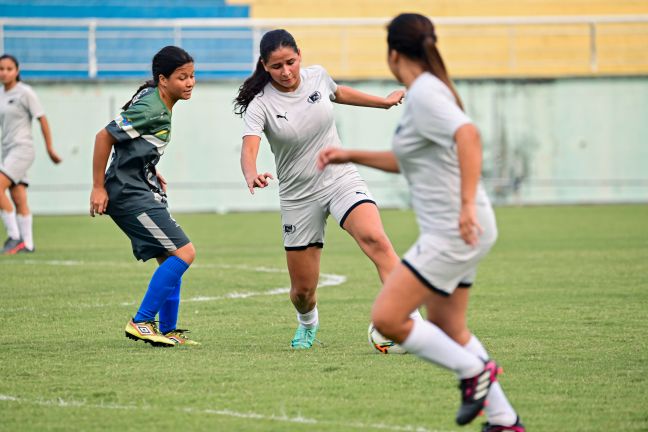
point(18, 106)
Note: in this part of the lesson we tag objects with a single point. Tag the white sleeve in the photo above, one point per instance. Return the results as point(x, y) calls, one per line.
point(254, 119)
point(437, 117)
point(32, 104)
point(329, 84)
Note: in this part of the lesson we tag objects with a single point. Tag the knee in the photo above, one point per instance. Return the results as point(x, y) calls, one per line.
point(386, 323)
point(187, 253)
point(301, 290)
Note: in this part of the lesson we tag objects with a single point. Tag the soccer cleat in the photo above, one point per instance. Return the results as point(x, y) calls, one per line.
point(26, 250)
point(304, 337)
point(474, 392)
point(179, 336)
point(148, 332)
point(517, 427)
point(12, 246)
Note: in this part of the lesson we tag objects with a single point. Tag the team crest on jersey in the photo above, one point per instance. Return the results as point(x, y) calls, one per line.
point(314, 97)
point(289, 229)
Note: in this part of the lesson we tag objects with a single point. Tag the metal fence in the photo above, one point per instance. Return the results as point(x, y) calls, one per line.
point(350, 48)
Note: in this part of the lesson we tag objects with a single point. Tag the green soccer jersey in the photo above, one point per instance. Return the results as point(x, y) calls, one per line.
point(142, 133)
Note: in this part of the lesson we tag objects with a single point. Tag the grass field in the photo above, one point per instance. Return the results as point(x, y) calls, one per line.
point(561, 303)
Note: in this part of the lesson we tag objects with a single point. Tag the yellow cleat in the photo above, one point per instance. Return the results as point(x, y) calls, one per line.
point(148, 332)
point(179, 336)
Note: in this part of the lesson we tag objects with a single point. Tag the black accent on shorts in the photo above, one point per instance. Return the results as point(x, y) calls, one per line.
point(424, 281)
point(12, 182)
point(144, 243)
point(464, 285)
point(356, 204)
point(298, 248)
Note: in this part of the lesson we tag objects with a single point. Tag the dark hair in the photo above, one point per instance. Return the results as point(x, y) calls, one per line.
point(254, 84)
point(167, 60)
point(14, 60)
point(413, 35)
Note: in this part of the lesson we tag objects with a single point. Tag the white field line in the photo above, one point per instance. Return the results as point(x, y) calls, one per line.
point(326, 279)
point(61, 403)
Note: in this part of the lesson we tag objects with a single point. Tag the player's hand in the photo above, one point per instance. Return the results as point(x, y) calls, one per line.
point(395, 98)
point(53, 156)
point(162, 181)
point(332, 155)
point(469, 227)
point(258, 181)
point(98, 201)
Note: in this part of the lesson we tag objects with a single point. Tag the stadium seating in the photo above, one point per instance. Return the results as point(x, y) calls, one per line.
point(487, 50)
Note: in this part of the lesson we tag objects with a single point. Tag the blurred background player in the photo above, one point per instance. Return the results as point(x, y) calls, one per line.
point(18, 106)
point(438, 149)
point(293, 108)
point(133, 193)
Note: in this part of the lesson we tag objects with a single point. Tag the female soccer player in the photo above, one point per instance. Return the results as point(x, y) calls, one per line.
point(438, 149)
point(292, 106)
point(133, 193)
point(18, 106)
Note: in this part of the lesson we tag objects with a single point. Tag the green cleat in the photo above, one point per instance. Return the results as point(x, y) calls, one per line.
point(304, 337)
point(179, 336)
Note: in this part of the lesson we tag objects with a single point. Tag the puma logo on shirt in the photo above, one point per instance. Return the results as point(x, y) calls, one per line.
point(285, 116)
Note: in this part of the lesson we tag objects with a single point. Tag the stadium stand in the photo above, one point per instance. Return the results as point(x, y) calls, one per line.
point(113, 46)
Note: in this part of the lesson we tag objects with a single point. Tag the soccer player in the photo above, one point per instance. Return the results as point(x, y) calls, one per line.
point(438, 149)
point(18, 106)
point(293, 107)
point(133, 193)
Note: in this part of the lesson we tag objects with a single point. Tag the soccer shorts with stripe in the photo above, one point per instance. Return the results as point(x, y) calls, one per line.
point(153, 233)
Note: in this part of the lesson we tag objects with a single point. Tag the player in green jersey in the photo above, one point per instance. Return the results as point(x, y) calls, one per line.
point(133, 193)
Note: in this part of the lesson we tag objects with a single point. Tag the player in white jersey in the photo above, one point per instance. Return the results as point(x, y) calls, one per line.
point(293, 108)
point(18, 106)
point(438, 149)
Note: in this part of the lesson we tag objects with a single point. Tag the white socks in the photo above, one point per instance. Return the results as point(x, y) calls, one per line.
point(498, 409)
point(9, 220)
point(430, 343)
point(309, 319)
point(25, 227)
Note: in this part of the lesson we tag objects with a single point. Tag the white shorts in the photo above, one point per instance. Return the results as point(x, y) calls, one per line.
point(443, 263)
point(16, 162)
point(304, 222)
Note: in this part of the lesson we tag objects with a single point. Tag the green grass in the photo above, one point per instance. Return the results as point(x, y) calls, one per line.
point(561, 303)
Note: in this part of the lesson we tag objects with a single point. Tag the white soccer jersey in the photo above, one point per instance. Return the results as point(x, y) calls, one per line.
point(18, 107)
point(426, 151)
point(298, 125)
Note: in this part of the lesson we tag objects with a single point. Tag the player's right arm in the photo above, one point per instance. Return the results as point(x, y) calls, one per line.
point(382, 160)
point(249, 152)
point(104, 142)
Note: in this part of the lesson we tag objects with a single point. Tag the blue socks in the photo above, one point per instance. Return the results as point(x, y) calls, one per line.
point(164, 284)
point(169, 310)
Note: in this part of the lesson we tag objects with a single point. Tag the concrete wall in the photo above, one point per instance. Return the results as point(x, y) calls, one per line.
point(559, 141)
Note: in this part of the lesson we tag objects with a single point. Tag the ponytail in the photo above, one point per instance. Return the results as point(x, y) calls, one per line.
point(147, 84)
point(437, 67)
point(413, 35)
point(250, 88)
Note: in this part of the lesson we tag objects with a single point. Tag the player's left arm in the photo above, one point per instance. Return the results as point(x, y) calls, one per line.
point(469, 153)
point(350, 96)
point(47, 136)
